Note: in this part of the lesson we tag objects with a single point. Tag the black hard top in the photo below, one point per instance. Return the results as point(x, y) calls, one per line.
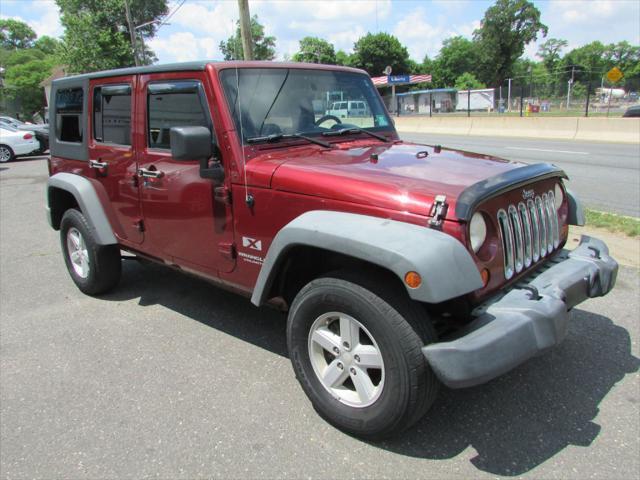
point(199, 65)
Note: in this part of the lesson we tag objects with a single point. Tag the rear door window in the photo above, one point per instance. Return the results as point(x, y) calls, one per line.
point(112, 114)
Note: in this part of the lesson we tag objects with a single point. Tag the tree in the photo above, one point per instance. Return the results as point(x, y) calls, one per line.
point(507, 27)
point(468, 81)
point(23, 83)
point(15, 34)
point(549, 52)
point(343, 58)
point(97, 32)
point(264, 48)
point(374, 52)
point(456, 57)
point(315, 50)
point(47, 45)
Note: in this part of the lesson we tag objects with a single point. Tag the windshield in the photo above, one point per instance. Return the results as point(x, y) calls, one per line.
point(284, 101)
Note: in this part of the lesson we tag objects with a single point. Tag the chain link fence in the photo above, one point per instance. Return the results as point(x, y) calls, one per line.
point(518, 97)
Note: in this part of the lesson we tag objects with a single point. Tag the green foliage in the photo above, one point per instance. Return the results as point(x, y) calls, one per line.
point(614, 223)
point(550, 52)
point(315, 50)
point(23, 83)
point(374, 52)
point(97, 33)
point(15, 34)
point(507, 27)
point(343, 58)
point(47, 45)
point(468, 81)
point(456, 57)
point(264, 48)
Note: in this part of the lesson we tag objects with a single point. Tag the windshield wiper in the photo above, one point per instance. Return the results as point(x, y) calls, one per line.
point(283, 136)
point(354, 130)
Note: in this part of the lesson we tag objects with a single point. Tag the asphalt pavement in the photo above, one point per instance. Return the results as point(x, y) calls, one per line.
point(606, 176)
point(169, 377)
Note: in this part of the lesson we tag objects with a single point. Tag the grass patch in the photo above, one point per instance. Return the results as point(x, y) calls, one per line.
point(614, 223)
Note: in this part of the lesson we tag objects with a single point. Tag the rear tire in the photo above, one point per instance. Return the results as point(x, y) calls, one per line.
point(94, 268)
point(401, 390)
point(6, 153)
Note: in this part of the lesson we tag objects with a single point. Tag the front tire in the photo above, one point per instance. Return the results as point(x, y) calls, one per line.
point(359, 359)
point(94, 268)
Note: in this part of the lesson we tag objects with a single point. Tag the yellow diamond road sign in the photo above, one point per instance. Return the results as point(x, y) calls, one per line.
point(614, 75)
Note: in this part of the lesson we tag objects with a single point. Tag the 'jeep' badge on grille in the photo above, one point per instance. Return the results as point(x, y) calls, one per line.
point(527, 194)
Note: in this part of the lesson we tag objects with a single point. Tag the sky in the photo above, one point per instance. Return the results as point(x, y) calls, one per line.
point(197, 26)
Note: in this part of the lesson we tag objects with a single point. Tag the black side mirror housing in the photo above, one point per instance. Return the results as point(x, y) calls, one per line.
point(196, 143)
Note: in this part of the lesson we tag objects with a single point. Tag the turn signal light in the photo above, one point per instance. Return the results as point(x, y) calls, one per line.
point(485, 276)
point(413, 279)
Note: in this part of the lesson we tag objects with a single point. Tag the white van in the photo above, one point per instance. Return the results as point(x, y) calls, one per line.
point(352, 108)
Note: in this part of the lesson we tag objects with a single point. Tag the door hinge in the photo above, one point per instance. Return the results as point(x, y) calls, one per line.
point(139, 224)
point(227, 249)
point(222, 194)
point(438, 212)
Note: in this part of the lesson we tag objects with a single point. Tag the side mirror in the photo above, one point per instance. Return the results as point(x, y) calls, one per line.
point(196, 143)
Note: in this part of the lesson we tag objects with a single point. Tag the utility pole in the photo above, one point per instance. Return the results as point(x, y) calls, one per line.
point(245, 29)
point(569, 87)
point(509, 96)
point(132, 33)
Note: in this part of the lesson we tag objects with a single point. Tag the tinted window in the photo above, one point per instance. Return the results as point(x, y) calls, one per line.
point(173, 104)
point(112, 114)
point(69, 115)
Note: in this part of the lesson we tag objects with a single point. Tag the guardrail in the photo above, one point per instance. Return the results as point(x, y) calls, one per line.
point(623, 130)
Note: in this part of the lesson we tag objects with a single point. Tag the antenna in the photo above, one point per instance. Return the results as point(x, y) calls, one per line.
point(247, 198)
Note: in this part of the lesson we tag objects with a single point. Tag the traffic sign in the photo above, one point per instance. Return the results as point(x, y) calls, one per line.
point(398, 78)
point(614, 75)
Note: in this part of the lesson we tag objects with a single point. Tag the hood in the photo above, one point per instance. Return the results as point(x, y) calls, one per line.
point(401, 176)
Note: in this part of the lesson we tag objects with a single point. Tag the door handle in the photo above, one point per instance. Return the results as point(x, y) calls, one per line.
point(146, 173)
point(97, 164)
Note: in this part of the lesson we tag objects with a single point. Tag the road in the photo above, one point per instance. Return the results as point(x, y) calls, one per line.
point(606, 176)
point(169, 377)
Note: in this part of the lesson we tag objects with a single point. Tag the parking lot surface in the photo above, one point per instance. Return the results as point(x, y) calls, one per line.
point(169, 377)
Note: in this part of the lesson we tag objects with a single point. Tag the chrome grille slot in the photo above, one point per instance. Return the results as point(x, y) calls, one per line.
point(528, 242)
point(507, 243)
point(529, 231)
point(516, 225)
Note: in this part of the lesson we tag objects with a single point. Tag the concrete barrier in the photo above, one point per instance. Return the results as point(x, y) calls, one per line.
point(623, 130)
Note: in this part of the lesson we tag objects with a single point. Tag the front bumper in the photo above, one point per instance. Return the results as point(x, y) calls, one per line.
point(527, 320)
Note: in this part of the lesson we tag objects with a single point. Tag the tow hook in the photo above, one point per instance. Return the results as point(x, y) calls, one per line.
point(535, 295)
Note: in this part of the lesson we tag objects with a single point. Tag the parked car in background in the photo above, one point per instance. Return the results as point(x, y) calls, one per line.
point(41, 131)
point(348, 109)
point(14, 142)
point(632, 111)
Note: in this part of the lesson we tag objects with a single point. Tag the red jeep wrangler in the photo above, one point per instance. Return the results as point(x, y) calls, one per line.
point(401, 266)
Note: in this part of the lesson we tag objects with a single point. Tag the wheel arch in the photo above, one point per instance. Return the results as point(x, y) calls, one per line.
point(444, 264)
point(67, 190)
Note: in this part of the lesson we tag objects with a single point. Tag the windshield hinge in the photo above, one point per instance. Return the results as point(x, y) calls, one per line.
point(438, 212)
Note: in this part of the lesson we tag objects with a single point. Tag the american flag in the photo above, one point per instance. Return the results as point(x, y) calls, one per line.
point(380, 81)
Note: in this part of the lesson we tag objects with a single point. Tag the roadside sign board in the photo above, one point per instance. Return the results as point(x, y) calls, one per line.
point(398, 79)
point(614, 74)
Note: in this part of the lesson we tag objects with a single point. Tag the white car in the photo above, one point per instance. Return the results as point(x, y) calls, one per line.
point(15, 142)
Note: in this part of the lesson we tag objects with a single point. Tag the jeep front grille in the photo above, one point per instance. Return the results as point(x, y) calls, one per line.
point(529, 231)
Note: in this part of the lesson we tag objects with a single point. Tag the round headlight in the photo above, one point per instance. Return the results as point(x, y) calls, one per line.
point(477, 231)
point(558, 195)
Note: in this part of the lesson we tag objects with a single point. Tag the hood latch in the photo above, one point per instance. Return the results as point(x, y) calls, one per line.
point(438, 212)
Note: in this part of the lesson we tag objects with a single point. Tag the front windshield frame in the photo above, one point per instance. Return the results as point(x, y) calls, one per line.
point(377, 118)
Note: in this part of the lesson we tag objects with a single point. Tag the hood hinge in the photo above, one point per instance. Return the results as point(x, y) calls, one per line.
point(438, 212)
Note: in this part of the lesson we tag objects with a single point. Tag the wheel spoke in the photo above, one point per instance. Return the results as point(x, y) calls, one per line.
point(349, 332)
point(75, 257)
point(84, 265)
point(334, 376)
point(326, 339)
point(75, 239)
point(369, 356)
point(364, 385)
